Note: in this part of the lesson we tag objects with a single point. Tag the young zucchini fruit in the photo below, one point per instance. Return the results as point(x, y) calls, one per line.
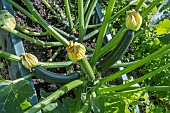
point(117, 52)
point(54, 77)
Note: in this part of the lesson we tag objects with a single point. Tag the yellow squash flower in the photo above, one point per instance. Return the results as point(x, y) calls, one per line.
point(76, 51)
point(29, 60)
point(133, 20)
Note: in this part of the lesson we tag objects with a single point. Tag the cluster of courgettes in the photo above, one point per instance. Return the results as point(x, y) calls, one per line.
point(115, 54)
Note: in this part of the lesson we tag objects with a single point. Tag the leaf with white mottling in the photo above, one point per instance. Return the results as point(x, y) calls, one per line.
point(14, 96)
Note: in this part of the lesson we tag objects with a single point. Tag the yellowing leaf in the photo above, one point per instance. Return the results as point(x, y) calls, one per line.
point(163, 27)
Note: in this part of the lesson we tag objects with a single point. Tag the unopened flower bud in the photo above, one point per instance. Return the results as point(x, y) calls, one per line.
point(133, 20)
point(76, 51)
point(29, 60)
point(7, 19)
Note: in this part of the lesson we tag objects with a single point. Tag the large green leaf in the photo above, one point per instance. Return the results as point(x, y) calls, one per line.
point(110, 104)
point(14, 96)
point(3, 84)
point(162, 13)
point(124, 102)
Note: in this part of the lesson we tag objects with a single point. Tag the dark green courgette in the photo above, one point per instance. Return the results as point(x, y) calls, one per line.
point(54, 77)
point(117, 52)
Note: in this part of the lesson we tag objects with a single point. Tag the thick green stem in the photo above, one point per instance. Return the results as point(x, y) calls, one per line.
point(163, 51)
point(139, 5)
point(54, 64)
point(45, 25)
point(152, 5)
point(67, 7)
point(89, 49)
point(64, 33)
point(38, 42)
point(86, 5)
point(89, 13)
point(81, 20)
point(54, 55)
point(123, 64)
point(23, 78)
point(52, 10)
point(30, 32)
point(102, 32)
point(123, 86)
point(55, 95)
point(117, 14)
point(91, 34)
point(84, 108)
point(94, 26)
point(113, 42)
point(9, 56)
point(78, 99)
point(86, 105)
point(147, 88)
point(87, 69)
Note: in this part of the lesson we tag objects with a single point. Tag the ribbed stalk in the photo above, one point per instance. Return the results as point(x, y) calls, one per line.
point(55, 95)
point(89, 13)
point(30, 39)
point(63, 33)
point(23, 78)
point(9, 56)
point(113, 42)
point(54, 55)
point(94, 25)
point(81, 20)
point(163, 51)
point(67, 7)
point(91, 34)
point(123, 64)
point(126, 85)
point(52, 10)
point(30, 32)
point(151, 6)
point(102, 32)
point(147, 88)
point(78, 99)
point(86, 5)
point(139, 5)
point(87, 69)
point(54, 64)
point(45, 25)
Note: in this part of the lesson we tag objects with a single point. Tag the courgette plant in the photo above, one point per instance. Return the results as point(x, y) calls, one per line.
point(93, 91)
